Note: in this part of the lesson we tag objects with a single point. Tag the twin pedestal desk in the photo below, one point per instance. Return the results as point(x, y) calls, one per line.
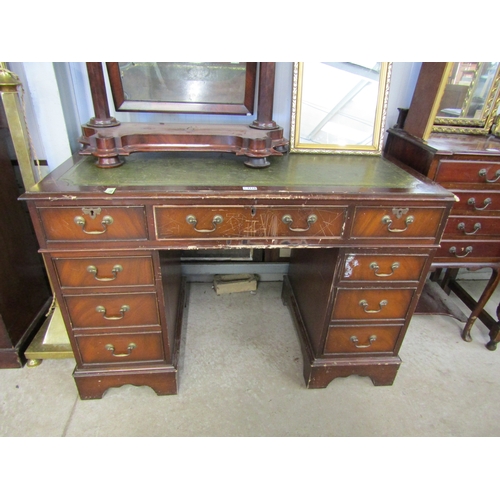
point(362, 230)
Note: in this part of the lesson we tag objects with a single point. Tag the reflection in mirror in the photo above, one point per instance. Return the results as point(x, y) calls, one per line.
point(339, 107)
point(468, 89)
point(210, 87)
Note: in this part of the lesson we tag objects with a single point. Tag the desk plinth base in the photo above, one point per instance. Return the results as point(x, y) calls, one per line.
point(319, 372)
point(93, 384)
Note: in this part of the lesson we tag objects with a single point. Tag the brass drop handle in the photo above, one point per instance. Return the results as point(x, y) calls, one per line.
point(288, 220)
point(106, 221)
point(364, 305)
point(123, 310)
point(130, 348)
point(116, 269)
point(387, 220)
point(453, 250)
point(376, 267)
point(472, 201)
point(355, 341)
point(192, 220)
point(483, 172)
point(461, 227)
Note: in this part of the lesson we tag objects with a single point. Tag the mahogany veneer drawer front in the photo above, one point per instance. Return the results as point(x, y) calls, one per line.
point(380, 267)
point(361, 339)
point(473, 249)
point(454, 171)
point(467, 226)
point(99, 272)
point(405, 222)
point(477, 202)
point(120, 348)
point(94, 223)
point(248, 222)
point(113, 310)
point(372, 303)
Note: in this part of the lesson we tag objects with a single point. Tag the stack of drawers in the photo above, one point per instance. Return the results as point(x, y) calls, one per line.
point(469, 166)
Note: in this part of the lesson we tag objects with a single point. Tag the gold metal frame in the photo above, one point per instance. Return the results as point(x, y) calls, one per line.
point(479, 126)
point(380, 117)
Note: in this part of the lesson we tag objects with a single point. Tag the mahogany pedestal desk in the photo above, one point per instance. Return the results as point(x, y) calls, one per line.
point(362, 230)
point(468, 165)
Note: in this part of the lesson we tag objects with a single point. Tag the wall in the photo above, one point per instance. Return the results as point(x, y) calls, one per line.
point(58, 101)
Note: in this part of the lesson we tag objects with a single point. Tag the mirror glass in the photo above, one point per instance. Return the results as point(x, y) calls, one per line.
point(468, 89)
point(339, 106)
point(198, 87)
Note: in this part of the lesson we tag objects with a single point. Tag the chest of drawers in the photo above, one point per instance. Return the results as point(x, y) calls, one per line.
point(362, 232)
point(469, 166)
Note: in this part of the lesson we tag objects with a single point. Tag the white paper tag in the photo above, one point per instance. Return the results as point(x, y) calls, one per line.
point(249, 188)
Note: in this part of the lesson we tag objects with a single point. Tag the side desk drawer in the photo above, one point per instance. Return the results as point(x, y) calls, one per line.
point(94, 223)
point(477, 202)
point(120, 348)
point(467, 226)
point(375, 222)
point(108, 271)
point(462, 251)
point(361, 339)
point(380, 267)
point(372, 304)
point(468, 172)
point(113, 310)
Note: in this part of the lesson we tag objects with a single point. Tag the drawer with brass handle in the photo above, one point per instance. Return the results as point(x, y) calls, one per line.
point(372, 303)
point(113, 310)
point(468, 172)
point(471, 225)
point(104, 271)
point(93, 223)
point(478, 202)
point(383, 267)
point(249, 222)
point(407, 222)
point(361, 339)
point(128, 348)
point(467, 250)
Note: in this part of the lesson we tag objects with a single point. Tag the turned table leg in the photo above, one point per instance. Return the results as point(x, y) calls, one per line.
point(494, 333)
point(487, 293)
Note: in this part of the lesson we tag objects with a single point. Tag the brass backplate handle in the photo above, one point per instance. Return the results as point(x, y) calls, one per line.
point(483, 172)
point(130, 348)
point(116, 269)
point(364, 305)
point(355, 341)
point(461, 227)
point(472, 201)
point(102, 310)
point(106, 221)
point(453, 250)
point(387, 220)
point(376, 267)
point(288, 220)
point(193, 221)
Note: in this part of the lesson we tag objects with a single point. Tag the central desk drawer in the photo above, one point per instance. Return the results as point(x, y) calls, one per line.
point(372, 304)
point(397, 222)
point(382, 267)
point(108, 271)
point(120, 348)
point(113, 310)
point(94, 223)
point(249, 222)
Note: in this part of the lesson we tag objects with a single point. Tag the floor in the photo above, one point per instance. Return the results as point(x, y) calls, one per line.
point(241, 375)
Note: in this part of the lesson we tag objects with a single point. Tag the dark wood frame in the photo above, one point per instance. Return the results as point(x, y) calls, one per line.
point(121, 104)
point(106, 139)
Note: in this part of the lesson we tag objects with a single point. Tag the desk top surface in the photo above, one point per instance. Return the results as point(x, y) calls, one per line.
point(183, 174)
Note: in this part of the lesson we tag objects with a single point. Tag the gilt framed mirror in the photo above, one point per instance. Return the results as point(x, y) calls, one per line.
point(469, 98)
point(339, 107)
point(183, 87)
